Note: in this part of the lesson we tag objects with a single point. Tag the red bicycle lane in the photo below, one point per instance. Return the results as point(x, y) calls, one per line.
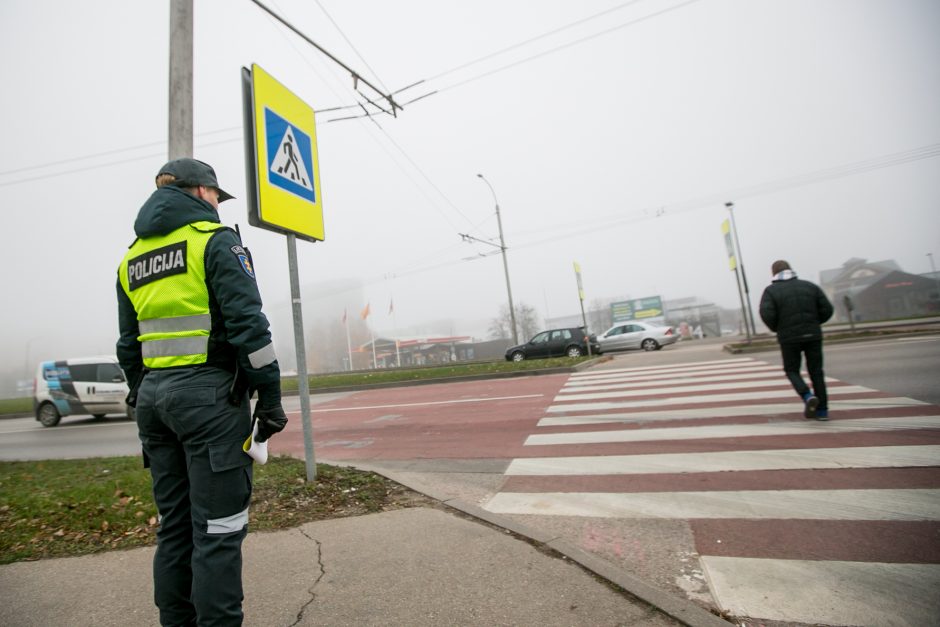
point(459, 420)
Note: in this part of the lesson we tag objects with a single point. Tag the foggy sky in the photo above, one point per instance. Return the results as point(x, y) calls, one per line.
point(613, 143)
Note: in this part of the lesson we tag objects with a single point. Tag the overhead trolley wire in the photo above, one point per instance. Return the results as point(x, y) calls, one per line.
point(361, 58)
point(555, 49)
point(356, 76)
point(528, 59)
point(858, 167)
point(392, 141)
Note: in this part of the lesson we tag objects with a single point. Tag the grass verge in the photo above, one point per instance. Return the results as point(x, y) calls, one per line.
point(61, 508)
point(16, 405)
point(399, 375)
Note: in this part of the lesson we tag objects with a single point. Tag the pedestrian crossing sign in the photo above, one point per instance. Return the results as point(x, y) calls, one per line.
point(281, 145)
point(289, 157)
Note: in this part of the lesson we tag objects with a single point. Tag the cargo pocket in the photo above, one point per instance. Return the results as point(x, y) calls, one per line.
point(230, 487)
point(181, 398)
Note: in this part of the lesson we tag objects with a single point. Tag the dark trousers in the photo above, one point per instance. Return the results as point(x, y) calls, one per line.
point(792, 353)
point(192, 438)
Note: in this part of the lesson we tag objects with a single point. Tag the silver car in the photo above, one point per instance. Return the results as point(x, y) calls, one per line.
point(627, 335)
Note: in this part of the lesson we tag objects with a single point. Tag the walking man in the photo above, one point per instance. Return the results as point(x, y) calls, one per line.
point(795, 309)
point(194, 346)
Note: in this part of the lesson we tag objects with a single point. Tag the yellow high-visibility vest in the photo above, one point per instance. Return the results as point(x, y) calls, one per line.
point(165, 278)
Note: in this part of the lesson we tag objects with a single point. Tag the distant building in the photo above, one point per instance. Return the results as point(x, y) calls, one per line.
point(879, 291)
point(417, 351)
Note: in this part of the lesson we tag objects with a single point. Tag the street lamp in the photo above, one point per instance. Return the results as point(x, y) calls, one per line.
point(502, 248)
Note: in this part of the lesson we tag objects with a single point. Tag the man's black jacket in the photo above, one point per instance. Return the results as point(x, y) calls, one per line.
point(795, 310)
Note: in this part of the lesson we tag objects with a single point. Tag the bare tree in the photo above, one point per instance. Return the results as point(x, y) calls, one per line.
point(526, 318)
point(599, 315)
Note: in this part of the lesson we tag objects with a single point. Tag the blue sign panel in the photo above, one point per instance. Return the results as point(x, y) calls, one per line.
point(290, 160)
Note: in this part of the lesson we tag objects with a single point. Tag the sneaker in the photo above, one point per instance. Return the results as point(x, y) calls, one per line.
point(809, 412)
point(822, 414)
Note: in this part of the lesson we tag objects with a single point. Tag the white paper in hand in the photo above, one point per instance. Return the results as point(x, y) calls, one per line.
point(258, 451)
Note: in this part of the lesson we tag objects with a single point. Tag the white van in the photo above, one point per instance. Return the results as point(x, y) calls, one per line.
point(84, 385)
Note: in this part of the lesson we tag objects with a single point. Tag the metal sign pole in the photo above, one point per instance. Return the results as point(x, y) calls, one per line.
point(303, 384)
point(587, 332)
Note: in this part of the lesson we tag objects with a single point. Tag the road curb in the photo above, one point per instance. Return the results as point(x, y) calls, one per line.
point(683, 610)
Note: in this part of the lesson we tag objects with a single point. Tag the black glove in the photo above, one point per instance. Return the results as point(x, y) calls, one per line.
point(271, 420)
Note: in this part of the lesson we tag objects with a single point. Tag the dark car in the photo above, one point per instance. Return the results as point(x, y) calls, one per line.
point(570, 342)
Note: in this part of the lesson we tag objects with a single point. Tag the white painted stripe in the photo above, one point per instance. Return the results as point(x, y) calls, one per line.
point(693, 365)
point(651, 370)
point(778, 382)
point(712, 398)
point(727, 412)
point(771, 375)
point(736, 431)
point(777, 459)
point(672, 374)
point(825, 592)
point(910, 504)
point(451, 402)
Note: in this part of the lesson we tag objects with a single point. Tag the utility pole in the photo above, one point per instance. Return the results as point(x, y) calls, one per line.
point(502, 247)
point(181, 79)
point(737, 245)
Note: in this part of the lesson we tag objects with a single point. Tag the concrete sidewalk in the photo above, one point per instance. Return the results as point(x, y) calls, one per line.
point(413, 567)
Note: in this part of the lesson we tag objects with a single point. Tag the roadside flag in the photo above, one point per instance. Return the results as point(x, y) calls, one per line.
point(729, 245)
point(365, 312)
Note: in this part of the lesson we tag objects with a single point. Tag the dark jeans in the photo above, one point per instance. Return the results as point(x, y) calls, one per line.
point(192, 438)
point(792, 353)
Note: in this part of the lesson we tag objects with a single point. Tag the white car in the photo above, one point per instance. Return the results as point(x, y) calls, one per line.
point(86, 385)
point(627, 335)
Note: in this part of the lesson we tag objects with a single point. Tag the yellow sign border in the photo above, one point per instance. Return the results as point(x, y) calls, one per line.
point(279, 209)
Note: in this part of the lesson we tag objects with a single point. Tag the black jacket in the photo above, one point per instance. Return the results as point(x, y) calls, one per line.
point(238, 326)
point(795, 310)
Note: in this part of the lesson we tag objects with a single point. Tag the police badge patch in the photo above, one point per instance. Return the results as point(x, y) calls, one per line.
point(244, 258)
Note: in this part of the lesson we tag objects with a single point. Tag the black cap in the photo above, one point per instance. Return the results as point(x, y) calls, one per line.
point(193, 173)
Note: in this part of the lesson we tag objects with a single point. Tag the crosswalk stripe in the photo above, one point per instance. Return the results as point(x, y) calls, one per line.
point(734, 431)
point(678, 380)
point(697, 366)
point(825, 592)
point(679, 389)
point(728, 411)
point(669, 373)
point(909, 504)
point(712, 398)
point(778, 459)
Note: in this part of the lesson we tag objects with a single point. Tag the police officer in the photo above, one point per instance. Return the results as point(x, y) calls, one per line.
point(195, 345)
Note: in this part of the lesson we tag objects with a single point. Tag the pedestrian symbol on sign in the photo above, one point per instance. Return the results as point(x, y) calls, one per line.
point(285, 163)
point(289, 156)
